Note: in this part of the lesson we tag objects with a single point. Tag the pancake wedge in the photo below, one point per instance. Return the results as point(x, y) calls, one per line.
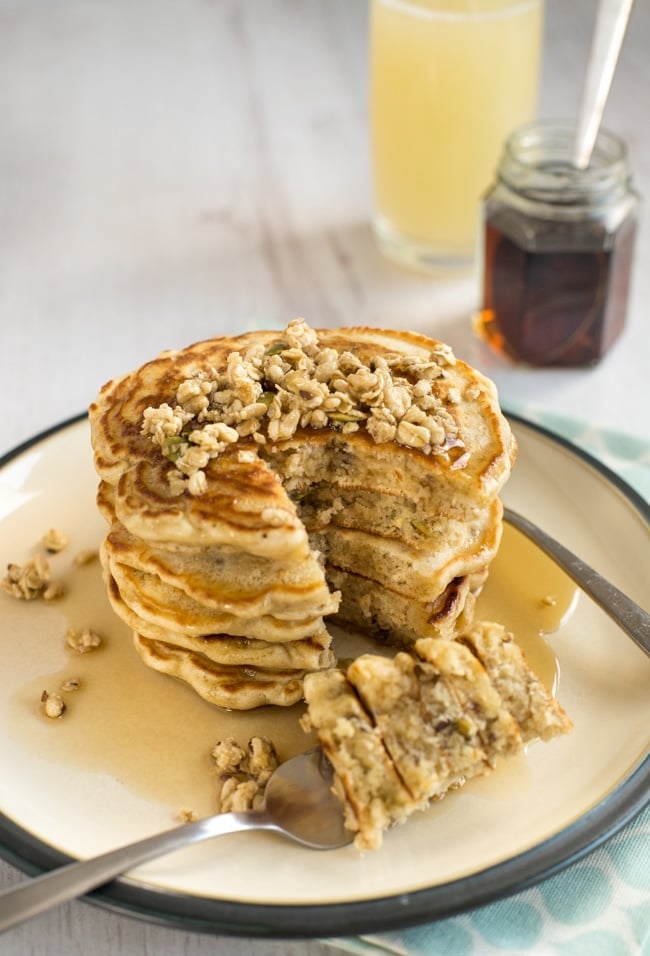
point(431, 719)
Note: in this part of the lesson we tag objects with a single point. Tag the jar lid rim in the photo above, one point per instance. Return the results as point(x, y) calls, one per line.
point(537, 160)
point(560, 136)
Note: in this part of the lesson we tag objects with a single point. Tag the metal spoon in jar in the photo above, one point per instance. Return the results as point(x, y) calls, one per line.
point(298, 803)
point(611, 24)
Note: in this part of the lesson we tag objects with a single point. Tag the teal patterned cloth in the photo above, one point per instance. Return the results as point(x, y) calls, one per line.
point(599, 906)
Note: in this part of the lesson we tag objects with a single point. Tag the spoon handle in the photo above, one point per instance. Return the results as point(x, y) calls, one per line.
point(611, 24)
point(622, 609)
point(29, 899)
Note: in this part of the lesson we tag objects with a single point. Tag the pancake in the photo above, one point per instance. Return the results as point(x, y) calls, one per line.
point(432, 719)
point(248, 480)
point(421, 573)
point(440, 718)
point(397, 516)
point(158, 599)
point(227, 579)
point(245, 507)
point(399, 621)
point(373, 793)
point(534, 708)
point(236, 687)
point(161, 604)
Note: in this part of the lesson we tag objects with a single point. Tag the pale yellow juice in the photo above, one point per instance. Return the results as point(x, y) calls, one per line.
point(449, 79)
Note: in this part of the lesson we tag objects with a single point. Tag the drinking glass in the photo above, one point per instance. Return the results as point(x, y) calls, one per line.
point(449, 80)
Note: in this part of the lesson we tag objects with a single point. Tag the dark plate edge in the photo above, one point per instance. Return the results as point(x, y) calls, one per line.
point(633, 496)
point(198, 914)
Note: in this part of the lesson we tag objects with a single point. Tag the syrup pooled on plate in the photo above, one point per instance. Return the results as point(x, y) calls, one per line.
point(155, 734)
point(528, 593)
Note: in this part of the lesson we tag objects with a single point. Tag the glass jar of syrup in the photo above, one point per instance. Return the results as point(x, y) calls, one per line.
point(558, 244)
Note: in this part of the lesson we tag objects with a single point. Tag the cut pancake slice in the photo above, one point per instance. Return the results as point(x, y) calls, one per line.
point(390, 692)
point(373, 793)
point(480, 714)
point(436, 717)
point(536, 711)
point(440, 718)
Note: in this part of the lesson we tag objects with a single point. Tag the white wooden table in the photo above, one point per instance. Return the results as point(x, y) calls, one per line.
point(176, 169)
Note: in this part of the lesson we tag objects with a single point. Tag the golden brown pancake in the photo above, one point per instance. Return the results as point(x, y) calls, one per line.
point(236, 687)
point(248, 479)
point(402, 731)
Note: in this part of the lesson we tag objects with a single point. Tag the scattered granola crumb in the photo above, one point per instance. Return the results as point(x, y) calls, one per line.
point(53, 705)
point(185, 815)
point(262, 759)
point(239, 795)
point(54, 540)
point(83, 641)
point(31, 580)
point(86, 556)
point(243, 774)
point(53, 591)
point(70, 685)
point(229, 756)
point(270, 391)
point(549, 600)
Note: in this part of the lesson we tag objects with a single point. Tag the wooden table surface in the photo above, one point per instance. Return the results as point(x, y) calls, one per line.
point(176, 169)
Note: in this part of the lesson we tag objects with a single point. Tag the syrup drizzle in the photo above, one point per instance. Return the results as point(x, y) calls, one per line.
point(154, 734)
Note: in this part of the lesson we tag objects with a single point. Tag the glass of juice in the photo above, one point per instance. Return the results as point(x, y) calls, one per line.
point(449, 80)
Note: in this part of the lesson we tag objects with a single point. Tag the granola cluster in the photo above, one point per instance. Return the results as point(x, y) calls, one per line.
point(83, 641)
point(31, 580)
point(54, 705)
point(243, 773)
point(267, 392)
point(34, 578)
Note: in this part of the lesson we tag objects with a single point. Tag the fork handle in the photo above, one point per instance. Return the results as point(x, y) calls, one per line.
point(29, 899)
point(622, 609)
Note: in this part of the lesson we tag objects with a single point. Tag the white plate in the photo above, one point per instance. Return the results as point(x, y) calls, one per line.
point(113, 769)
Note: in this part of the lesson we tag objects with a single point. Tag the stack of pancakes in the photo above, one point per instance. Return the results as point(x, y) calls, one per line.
point(404, 731)
point(241, 624)
point(255, 485)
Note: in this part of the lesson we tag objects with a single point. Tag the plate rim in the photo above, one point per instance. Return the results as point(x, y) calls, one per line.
point(126, 896)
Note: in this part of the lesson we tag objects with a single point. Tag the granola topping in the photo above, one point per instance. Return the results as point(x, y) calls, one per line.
point(268, 392)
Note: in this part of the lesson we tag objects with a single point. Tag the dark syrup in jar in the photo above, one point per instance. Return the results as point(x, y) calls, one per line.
point(562, 307)
point(558, 248)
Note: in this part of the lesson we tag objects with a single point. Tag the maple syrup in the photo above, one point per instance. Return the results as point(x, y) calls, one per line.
point(131, 723)
point(558, 249)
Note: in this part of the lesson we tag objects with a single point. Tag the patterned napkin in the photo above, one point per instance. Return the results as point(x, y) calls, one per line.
point(599, 906)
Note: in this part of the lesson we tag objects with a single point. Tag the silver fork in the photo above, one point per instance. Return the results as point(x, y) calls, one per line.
point(622, 609)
